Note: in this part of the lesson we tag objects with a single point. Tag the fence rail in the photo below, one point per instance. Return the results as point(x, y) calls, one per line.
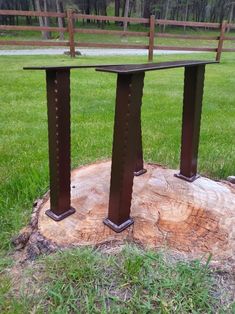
point(31, 13)
point(151, 34)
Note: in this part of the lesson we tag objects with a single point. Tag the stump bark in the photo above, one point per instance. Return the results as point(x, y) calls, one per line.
point(194, 218)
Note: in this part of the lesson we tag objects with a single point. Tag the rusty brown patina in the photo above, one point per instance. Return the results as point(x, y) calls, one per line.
point(127, 156)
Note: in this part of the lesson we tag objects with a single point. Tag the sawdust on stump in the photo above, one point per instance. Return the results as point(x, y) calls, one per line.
point(193, 218)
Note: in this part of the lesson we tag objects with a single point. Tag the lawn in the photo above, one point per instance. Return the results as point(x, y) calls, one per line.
point(24, 175)
point(129, 280)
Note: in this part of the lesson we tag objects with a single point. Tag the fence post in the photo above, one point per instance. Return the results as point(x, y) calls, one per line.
point(221, 40)
point(71, 32)
point(151, 37)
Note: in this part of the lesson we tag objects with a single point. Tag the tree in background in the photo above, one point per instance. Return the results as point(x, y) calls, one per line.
point(60, 9)
point(117, 7)
point(185, 10)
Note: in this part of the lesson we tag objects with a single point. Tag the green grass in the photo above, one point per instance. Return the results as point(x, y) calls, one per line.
point(94, 281)
point(24, 173)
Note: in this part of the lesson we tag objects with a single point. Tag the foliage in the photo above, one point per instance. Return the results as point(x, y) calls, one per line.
point(196, 10)
point(186, 10)
point(130, 280)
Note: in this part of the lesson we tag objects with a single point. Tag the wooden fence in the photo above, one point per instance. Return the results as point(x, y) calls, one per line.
point(150, 33)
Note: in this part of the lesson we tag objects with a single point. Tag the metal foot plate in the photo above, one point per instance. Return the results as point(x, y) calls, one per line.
point(55, 217)
point(119, 228)
point(193, 178)
point(140, 172)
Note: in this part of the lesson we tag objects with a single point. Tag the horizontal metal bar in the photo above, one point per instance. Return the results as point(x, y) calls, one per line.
point(124, 67)
point(136, 68)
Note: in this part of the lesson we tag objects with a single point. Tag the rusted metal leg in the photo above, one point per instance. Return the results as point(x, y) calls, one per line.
point(58, 102)
point(193, 94)
point(139, 167)
point(127, 115)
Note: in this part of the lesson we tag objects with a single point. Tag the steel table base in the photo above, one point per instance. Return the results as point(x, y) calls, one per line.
point(140, 172)
point(125, 147)
point(191, 179)
point(127, 156)
point(139, 166)
point(191, 120)
point(58, 104)
point(119, 228)
point(58, 108)
point(55, 217)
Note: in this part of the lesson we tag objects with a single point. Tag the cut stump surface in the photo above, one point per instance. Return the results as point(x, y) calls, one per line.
point(193, 217)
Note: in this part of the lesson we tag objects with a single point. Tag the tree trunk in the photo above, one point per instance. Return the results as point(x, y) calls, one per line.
point(166, 13)
point(88, 9)
point(194, 218)
point(46, 19)
point(186, 14)
point(117, 7)
point(41, 22)
point(127, 5)
point(139, 8)
point(231, 15)
point(103, 11)
point(60, 21)
point(147, 12)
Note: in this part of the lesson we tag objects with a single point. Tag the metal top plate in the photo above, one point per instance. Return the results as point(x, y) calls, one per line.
point(66, 68)
point(136, 68)
point(126, 68)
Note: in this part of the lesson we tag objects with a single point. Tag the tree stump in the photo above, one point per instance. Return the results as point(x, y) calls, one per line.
point(194, 218)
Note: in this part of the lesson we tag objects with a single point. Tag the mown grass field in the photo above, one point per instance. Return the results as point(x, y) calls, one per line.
point(24, 177)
